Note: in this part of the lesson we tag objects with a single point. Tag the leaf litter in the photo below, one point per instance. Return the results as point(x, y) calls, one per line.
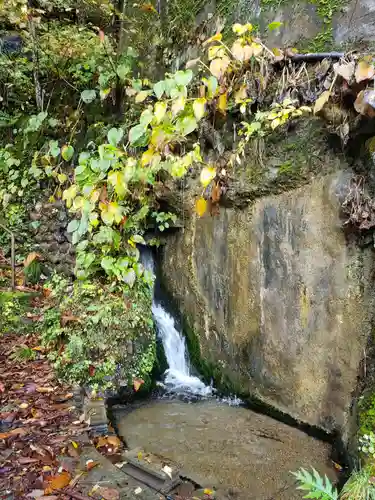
point(40, 437)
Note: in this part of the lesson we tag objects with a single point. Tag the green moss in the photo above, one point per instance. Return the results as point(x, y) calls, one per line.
point(367, 414)
point(226, 383)
point(326, 9)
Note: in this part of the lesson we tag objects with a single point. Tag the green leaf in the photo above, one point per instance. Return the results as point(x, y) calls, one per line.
point(54, 149)
point(183, 78)
point(186, 125)
point(137, 238)
point(88, 96)
point(123, 70)
point(130, 277)
point(136, 133)
point(73, 225)
point(159, 88)
point(273, 26)
point(107, 263)
point(146, 117)
point(115, 135)
point(67, 152)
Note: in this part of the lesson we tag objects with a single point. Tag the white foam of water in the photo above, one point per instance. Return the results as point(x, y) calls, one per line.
point(178, 377)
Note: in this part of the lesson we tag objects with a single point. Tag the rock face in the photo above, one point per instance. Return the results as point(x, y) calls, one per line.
point(278, 298)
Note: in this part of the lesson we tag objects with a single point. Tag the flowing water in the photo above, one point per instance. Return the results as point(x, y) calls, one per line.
point(245, 455)
point(178, 377)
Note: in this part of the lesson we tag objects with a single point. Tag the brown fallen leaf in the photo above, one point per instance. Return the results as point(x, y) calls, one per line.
point(114, 441)
point(57, 482)
point(137, 382)
point(68, 318)
point(14, 432)
point(44, 390)
point(102, 441)
point(27, 460)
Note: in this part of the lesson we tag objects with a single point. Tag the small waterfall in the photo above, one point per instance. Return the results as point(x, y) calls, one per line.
point(178, 377)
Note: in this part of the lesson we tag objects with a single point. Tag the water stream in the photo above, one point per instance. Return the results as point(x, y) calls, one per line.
point(178, 378)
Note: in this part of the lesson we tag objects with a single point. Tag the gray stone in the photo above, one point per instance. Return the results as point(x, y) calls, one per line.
point(279, 299)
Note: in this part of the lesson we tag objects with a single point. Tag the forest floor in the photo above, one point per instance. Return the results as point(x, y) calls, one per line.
point(43, 439)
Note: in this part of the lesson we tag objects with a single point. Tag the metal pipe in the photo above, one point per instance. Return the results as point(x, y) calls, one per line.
point(12, 254)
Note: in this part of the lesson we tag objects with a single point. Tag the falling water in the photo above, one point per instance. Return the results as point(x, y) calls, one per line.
point(178, 377)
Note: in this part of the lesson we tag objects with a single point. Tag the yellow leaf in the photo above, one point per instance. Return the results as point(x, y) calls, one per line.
point(139, 456)
point(141, 96)
point(207, 491)
point(222, 103)
point(242, 52)
point(275, 123)
point(160, 109)
point(215, 51)
point(207, 175)
point(239, 29)
point(321, 101)
point(147, 157)
point(240, 94)
point(199, 106)
point(201, 206)
point(23, 406)
point(69, 194)
point(257, 49)
point(94, 196)
point(215, 38)
point(178, 105)
point(30, 258)
point(364, 71)
point(114, 441)
point(219, 66)
point(62, 178)
point(117, 179)
point(158, 137)
point(75, 445)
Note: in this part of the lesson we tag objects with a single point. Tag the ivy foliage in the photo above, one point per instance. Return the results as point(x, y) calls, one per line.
point(97, 336)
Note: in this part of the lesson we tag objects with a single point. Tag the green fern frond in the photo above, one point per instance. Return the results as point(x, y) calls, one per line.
point(315, 485)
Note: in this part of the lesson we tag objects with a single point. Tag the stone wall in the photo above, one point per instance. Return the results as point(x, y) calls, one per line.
point(51, 238)
point(278, 298)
